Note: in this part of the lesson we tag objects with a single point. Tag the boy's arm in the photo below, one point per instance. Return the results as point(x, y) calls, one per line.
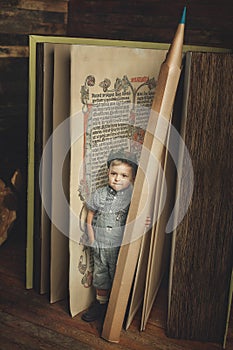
point(90, 231)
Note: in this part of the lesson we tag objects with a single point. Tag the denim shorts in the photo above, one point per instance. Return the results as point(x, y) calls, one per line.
point(105, 260)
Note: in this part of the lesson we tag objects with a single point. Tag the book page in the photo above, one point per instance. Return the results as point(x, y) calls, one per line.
point(59, 260)
point(160, 248)
point(112, 89)
point(141, 278)
point(44, 90)
point(46, 184)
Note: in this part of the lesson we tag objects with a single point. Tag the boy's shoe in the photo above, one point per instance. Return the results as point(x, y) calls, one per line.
point(95, 312)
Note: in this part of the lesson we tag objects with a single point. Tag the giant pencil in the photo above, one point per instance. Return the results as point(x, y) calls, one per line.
point(143, 194)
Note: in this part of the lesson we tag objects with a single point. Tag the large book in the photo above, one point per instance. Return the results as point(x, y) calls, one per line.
point(87, 97)
point(53, 260)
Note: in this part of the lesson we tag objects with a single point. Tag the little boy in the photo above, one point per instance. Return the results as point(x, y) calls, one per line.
point(109, 205)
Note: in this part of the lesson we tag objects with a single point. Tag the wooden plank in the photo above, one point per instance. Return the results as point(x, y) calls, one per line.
point(13, 51)
point(34, 311)
point(13, 94)
point(13, 111)
point(97, 30)
point(13, 39)
point(14, 86)
point(48, 6)
point(58, 5)
point(18, 18)
point(152, 8)
point(152, 21)
point(26, 21)
point(33, 28)
point(25, 16)
point(14, 69)
point(26, 334)
point(120, 20)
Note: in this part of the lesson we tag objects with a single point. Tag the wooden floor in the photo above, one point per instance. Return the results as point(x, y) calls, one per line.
point(29, 321)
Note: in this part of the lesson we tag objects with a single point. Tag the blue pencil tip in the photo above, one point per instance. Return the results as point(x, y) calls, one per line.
point(183, 16)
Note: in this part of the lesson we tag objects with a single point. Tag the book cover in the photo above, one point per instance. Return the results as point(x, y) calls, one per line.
point(201, 263)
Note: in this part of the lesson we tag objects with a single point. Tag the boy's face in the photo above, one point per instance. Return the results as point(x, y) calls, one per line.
point(120, 176)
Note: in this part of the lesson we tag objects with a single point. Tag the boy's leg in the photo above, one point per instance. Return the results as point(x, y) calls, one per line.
point(98, 308)
point(102, 284)
point(102, 295)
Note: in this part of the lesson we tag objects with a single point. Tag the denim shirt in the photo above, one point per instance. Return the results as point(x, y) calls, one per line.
point(111, 210)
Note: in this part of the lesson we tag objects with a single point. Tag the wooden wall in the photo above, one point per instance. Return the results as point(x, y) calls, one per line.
point(208, 22)
point(18, 19)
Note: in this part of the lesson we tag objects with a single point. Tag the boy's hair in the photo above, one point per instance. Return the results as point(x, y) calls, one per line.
point(121, 156)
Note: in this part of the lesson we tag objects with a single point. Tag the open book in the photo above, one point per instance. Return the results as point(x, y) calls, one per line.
point(86, 98)
point(87, 102)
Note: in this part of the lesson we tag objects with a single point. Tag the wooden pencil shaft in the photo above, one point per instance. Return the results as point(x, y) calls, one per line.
point(161, 107)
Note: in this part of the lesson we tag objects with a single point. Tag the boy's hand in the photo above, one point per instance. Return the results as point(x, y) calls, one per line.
point(91, 241)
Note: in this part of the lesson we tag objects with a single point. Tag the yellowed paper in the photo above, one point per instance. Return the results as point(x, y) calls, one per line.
point(45, 184)
point(107, 86)
point(59, 240)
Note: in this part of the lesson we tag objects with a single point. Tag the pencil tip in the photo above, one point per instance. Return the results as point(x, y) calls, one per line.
point(183, 16)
